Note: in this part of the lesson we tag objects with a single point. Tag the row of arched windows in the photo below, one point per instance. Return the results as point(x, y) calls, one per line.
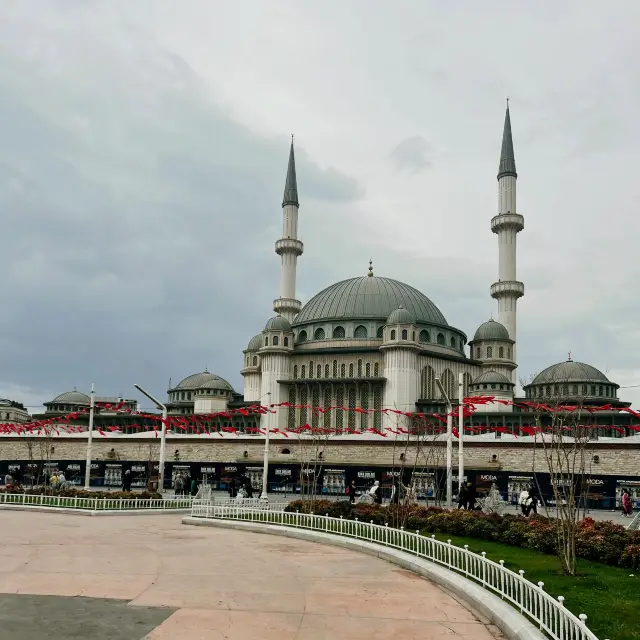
point(352, 370)
point(276, 341)
point(599, 390)
point(429, 390)
point(489, 352)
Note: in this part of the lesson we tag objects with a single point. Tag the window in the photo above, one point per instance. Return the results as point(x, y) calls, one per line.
point(338, 332)
point(500, 352)
point(302, 336)
point(478, 353)
point(342, 371)
point(275, 341)
point(351, 370)
point(286, 341)
point(379, 332)
point(449, 384)
point(452, 342)
point(424, 336)
point(393, 334)
point(368, 370)
point(311, 369)
point(335, 368)
point(326, 371)
point(489, 352)
point(359, 368)
point(461, 345)
point(295, 372)
point(376, 370)
point(509, 353)
point(427, 383)
point(360, 332)
point(404, 334)
point(266, 341)
point(302, 372)
point(255, 361)
point(319, 334)
point(319, 371)
point(440, 338)
point(285, 452)
point(575, 389)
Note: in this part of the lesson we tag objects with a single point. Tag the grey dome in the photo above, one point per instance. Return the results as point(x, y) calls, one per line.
point(401, 316)
point(491, 330)
point(570, 371)
point(199, 380)
point(217, 383)
point(278, 324)
point(369, 297)
point(492, 377)
point(255, 344)
point(72, 397)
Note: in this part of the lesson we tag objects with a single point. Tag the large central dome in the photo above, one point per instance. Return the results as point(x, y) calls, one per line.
point(369, 297)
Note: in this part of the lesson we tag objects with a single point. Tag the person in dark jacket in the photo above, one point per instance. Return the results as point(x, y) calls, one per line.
point(351, 490)
point(534, 497)
point(471, 497)
point(127, 480)
point(463, 496)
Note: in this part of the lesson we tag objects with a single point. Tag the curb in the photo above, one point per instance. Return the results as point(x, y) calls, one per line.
point(89, 512)
point(513, 624)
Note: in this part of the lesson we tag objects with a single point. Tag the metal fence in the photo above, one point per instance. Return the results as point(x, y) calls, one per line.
point(95, 504)
point(204, 508)
point(635, 523)
point(530, 599)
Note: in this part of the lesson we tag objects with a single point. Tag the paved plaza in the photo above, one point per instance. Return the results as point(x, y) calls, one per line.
point(150, 577)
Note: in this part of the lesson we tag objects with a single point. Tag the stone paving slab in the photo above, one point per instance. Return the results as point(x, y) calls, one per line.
point(151, 577)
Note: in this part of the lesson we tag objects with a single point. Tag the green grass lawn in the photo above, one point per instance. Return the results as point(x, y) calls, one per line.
point(609, 596)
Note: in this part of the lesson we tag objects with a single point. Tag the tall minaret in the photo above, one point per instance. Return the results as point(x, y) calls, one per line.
point(289, 247)
point(507, 224)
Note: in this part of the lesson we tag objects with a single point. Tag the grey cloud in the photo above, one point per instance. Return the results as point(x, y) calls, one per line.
point(412, 154)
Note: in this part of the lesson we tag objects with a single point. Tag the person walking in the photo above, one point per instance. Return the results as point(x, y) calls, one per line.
point(376, 493)
point(463, 496)
point(626, 504)
point(395, 492)
point(523, 501)
point(126, 480)
point(352, 492)
point(534, 498)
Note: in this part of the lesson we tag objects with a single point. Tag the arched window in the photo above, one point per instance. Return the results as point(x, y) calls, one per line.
point(448, 382)
point(500, 352)
point(326, 371)
point(461, 345)
point(404, 334)
point(319, 334)
point(335, 368)
point(275, 341)
point(319, 371)
point(367, 370)
point(295, 372)
point(351, 370)
point(424, 336)
point(302, 372)
point(452, 342)
point(360, 332)
point(302, 336)
point(379, 332)
point(489, 352)
point(509, 353)
point(413, 336)
point(466, 384)
point(285, 452)
point(393, 334)
point(338, 332)
point(286, 341)
point(311, 369)
point(266, 341)
point(478, 353)
point(376, 370)
point(427, 383)
point(255, 361)
point(440, 338)
point(359, 368)
point(343, 371)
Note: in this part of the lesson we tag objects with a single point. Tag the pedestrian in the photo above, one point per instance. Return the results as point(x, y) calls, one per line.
point(463, 496)
point(126, 480)
point(376, 493)
point(178, 484)
point(351, 489)
point(471, 497)
point(626, 503)
point(523, 501)
point(534, 497)
point(395, 492)
point(8, 481)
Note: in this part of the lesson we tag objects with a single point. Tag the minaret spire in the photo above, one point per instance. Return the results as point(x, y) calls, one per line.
point(289, 248)
point(507, 224)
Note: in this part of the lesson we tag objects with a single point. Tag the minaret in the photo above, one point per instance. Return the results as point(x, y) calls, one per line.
point(289, 247)
point(507, 224)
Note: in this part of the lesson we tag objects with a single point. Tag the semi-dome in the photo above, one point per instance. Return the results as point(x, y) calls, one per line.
point(217, 383)
point(255, 344)
point(369, 297)
point(491, 330)
point(570, 371)
point(491, 377)
point(72, 397)
point(401, 316)
point(278, 323)
point(198, 380)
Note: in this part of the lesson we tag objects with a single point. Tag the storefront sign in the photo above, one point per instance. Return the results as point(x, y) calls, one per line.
point(489, 478)
point(631, 483)
point(595, 482)
point(283, 472)
point(367, 475)
point(521, 478)
point(231, 469)
point(207, 469)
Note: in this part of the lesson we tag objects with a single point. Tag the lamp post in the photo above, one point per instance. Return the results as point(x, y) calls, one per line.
point(163, 433)
point(92, 409)
point(265, 463)
point(449, 443)
point(461, 430)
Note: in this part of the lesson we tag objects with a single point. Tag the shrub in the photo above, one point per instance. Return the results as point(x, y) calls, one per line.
point(630, 557)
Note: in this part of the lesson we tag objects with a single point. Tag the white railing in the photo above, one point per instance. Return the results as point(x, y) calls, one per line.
point(634, 525)
point(94, 504)
point(530, 599)
point(204, 508)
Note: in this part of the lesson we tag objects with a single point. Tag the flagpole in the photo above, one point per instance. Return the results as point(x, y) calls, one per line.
point(92, 406)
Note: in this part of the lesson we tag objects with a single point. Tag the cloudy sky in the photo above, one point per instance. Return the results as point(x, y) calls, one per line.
point(143, 150)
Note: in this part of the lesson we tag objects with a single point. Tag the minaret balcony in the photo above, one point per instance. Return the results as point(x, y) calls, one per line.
point(286, 304)
point(507, 289)
point(289, 245)
point(507, 220)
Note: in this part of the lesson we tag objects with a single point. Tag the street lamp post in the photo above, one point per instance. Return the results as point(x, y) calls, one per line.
point(265, 463)
point(461, 429)
point(92, 409)
point(449, 444)
point(163, 433)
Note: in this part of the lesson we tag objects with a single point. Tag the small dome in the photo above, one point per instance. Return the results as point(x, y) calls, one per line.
point(255, 344)
point(492, 377)
point(401, 316)
point(217, 383)
point(198, 381)
point(491, 330)
point(72, 397)
point(570, 371)
point(278, 324)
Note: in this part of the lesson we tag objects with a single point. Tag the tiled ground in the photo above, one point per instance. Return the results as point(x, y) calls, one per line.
point(192, 583)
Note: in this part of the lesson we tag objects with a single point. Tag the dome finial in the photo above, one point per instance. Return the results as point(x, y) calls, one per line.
point(206, 369)
point(569, 357)
point(370, 274)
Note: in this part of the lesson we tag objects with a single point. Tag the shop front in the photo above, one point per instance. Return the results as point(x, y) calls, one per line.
point(255, 477)
point(334, 482)
point(632, 485)
point(282, 480)
point(73, 473)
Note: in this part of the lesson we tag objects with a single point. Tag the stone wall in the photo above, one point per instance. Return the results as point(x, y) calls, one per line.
point(614, 458)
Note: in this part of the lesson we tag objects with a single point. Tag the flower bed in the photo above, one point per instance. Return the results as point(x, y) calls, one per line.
point(83, 493)
point(603, 542)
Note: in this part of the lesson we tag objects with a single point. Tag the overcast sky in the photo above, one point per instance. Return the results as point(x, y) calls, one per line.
point(143, 151)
